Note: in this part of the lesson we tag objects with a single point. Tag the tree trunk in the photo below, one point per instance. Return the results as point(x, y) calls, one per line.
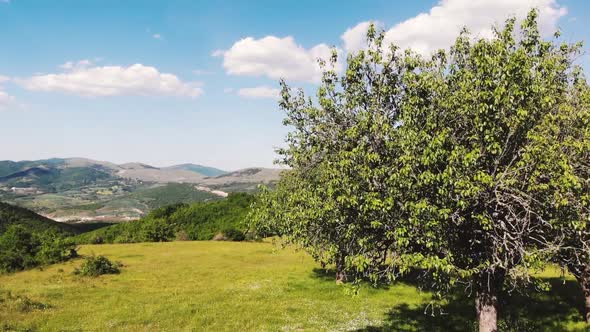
point(340, 271)
point(488, 286)
point(582, 274)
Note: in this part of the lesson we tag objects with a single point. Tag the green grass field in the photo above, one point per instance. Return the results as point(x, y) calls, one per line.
point(233, 286)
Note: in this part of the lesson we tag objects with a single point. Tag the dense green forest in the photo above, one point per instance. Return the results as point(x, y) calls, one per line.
point(223, 219)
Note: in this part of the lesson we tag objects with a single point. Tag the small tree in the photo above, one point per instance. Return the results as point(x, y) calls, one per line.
point(334, 199)
point(434, 164)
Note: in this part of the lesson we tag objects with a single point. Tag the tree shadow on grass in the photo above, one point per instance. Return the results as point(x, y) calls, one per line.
point(329, 275)
point(556, 310)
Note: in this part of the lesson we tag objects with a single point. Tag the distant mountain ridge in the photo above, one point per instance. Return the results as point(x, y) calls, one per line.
point(205, 170)
point(68, 189)
point(182, 173)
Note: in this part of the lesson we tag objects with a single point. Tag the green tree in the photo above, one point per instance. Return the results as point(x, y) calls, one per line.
point(570, 136)
point(18, 249)
point(334, 199)
point(431, 164)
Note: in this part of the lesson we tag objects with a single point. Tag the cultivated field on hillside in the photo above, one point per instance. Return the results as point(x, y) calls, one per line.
point(230, 286)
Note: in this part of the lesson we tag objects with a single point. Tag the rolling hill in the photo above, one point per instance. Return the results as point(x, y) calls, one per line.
point(14, 215)
point(80, 189)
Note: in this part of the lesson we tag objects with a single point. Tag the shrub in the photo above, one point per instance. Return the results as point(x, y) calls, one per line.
point(55, 249)
point(182, 236)
point(18, 248)
point(234, 234)
point(21, 248)
point(157, 230)
point(95, 266)
point(97, 240)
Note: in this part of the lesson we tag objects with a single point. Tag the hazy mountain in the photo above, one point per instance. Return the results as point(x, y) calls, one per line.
point(204, 170)
point(85, 189)
point(48, 173)
point(159, 175)
point(246, 175)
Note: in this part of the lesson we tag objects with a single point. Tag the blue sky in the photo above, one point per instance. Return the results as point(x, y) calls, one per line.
point(168, 82)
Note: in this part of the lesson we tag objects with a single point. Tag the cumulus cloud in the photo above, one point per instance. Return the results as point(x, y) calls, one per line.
point(259, 92)
point(85, 79)
point(5, 99)
point(157, 36)
point(274, 58)
point(439, 27)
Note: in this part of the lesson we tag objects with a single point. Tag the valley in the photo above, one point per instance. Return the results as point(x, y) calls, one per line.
point(84, 190)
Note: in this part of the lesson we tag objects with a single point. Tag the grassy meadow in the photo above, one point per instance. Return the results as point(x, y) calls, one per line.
point(241, 286)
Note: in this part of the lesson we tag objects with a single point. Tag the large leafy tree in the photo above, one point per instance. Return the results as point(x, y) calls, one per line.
point(438, 164)
point(484, 188)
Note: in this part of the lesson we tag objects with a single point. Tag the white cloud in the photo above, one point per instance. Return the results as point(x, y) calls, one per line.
point(274, 58)
point(439, 27)
point(228, 90)
point(157, 36)
point(259, 92)
point(5, 99)
point(91, 81)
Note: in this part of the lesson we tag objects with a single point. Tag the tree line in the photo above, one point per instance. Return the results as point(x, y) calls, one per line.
point(219, 219)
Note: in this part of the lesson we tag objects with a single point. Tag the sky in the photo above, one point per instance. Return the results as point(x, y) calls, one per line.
point(170, 82)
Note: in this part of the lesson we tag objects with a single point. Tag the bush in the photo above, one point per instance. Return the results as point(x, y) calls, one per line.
point(18, 249)
point(55, 249)
point(97, 240)
point(234, 234)
point(157, 230)
point(21, 248)
point(182, 236)
point(95, 266)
